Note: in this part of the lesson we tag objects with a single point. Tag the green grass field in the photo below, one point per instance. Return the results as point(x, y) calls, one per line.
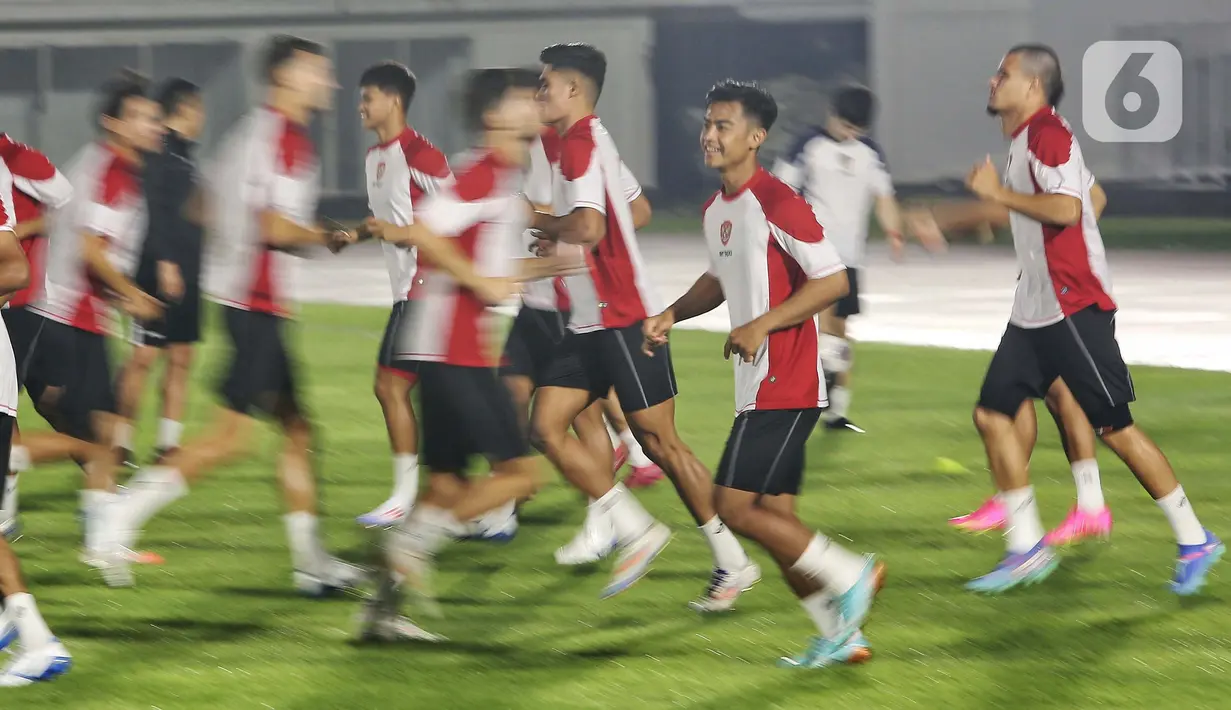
point(218, 626)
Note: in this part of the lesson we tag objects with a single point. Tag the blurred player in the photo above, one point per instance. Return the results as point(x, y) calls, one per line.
point(402, 168)
point(772, 264)
point(91, 249)
point(263, 198)
point(842, 174)
point(467, 411)
point(40, 656)
point(609, 306)
point(37, 186)
point(169, 266)
point(1063, 325)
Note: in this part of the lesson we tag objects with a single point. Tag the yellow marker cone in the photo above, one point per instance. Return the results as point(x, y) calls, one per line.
point(947, 465)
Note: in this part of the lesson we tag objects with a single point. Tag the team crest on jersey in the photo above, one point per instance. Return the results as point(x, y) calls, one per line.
point(724, 232)
point(380, 170)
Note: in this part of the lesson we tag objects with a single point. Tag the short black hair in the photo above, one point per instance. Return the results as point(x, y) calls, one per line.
point(174, 92)
point(391, 78)
point(856, 105)
point(283, 48)
point(586, 59)
point(485, 88)
point(129, 84)
point(756, 102)
point(1041, 61)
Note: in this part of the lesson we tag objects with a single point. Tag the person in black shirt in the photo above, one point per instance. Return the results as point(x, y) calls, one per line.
point(169, 266)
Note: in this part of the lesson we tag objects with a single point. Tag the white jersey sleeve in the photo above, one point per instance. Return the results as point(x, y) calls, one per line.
point(795, 229)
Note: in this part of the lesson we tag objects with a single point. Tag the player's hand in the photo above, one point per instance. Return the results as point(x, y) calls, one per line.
point(745, 341)
point(654, 329)
point(921, 224)
point(170, 281)
point(983, 180)
point(141, 305)
point(339, 239)
point(496, 290)
point(375, 227)
point(543, 247)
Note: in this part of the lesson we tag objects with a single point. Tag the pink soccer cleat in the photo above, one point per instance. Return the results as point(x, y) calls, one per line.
point(619, 457)
point(1080, 525)
point(643, 476)
point(989, 516)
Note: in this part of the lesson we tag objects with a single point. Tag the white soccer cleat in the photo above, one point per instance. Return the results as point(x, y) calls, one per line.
point(386, 515)
point(34, 665)
point(594, 541)
point(396, 628)
point(115, 565)
point(499, 526)
point(725, 587)
point(635, 559)
point(8, 632)
point(10, 528)
point(336, 576)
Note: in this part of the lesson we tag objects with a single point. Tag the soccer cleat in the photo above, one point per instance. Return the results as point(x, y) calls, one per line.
point(498, 526)
point(1016, 569)
point(128, 460)
point(386, 515)
point(1194, 563)
point(401, 628)
point(843, 424)
point(337, 576)
point(822, 653)
point(594, 541)
point(635, 559)
point(10, 528)
point(643, 476)
point(619, 458)
point(854, 604)
point(989, 516)
point(8, 632)
point(34, 665)
point(725, 587)
point(135, 557)
point(1080, 525)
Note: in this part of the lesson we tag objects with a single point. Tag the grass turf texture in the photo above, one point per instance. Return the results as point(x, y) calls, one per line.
point(219, 626)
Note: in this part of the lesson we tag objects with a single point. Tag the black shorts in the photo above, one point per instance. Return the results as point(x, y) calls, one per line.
point(765, 451)
point(261, 375)
point(23, 326)
point(180, 324)
point(466, 412)
point(406, 369)
point(77, 363)
point(848, 305)
point(1081, 349)
point(603, 359)
point(533, 347)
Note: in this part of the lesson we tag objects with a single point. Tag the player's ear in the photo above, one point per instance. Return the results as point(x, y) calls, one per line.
point(759, 134)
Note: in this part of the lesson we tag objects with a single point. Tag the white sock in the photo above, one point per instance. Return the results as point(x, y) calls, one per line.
point(149, 491)
point(19, 459)
point(307, 554)
point(612, 434)
point(1025, 529)
point(598, 524)
point(8, 506)
point(819, 607)
point(406, 478)
point(23, 612)
point(122, 437)
point(97, 505)
point(629, 519)
point(840, 402)
point(728, 554)
point(1183, 518)
point(834, 566)
point(169, 432)
point(1089, 489)
point(636, 456)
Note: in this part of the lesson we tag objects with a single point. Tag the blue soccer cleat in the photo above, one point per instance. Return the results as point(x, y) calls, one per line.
point(8, 634)
point(36, 665)
point(1016, 569)
point(1194, 562)
point(823, 652)
point(854, 604)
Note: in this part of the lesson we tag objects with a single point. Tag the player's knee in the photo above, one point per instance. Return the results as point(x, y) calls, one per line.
point(835, 354)
point(989, 420)
point(733, 509)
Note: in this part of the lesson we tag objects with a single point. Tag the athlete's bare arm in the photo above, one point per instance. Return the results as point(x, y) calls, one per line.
point(133, 300)
point(703, 296)
point(984, 181)
point(14, 269)
point(444, 255)
point(283, 233)
point(642, 212)
point(584, 226)
point(30, 228)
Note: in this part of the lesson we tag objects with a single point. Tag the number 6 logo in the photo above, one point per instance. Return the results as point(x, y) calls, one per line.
point(1132, 92)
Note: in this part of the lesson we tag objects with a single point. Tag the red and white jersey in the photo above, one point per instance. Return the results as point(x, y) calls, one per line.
point(108, 202)
point(1063, 269)
point(486, 214)
point(38, 186)
point(266, 162)
point(617, 292)
point(399, 173)
point(8, 363)
point(543, 185)
point(764, 244)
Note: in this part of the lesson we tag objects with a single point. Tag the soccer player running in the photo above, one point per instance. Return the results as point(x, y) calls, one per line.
point(842, 174)
point(263, 200)
point(401, 169)
point(41, 656)
point(771, 262)
point(37, 187)
point(609, 306)
point(471, 235)
point(1062, 326)
point(169, 266)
